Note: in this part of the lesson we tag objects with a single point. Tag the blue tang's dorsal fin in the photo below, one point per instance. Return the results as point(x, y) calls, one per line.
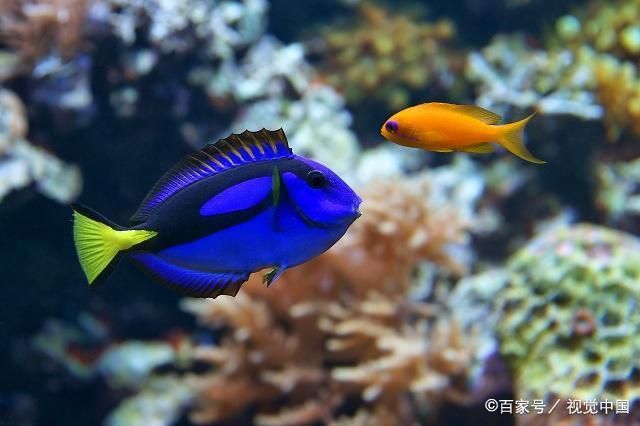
point(232, 151)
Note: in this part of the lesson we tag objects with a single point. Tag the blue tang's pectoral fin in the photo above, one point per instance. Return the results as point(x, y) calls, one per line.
point(275, 186)
point(190, 282)
point(282, 209)
point(273, 275)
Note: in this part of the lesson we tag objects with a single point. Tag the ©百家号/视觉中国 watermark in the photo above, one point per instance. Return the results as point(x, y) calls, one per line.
point(572, 406)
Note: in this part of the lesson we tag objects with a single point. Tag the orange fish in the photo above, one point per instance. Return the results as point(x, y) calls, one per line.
point(444, 127)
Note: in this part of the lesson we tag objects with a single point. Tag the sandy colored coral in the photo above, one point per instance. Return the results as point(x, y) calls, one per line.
point(385, 55)
point(40, 27)
point(340, 329)
point(569, 313)
point(618, 87)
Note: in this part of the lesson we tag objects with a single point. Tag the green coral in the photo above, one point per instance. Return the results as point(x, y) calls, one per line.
point(569, 315)
point(386, 56)
point(608, 27)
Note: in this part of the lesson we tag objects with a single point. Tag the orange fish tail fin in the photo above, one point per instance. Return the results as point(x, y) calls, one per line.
point(511, 139)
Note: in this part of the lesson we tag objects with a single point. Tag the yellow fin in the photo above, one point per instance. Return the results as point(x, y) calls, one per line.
point(511, 139)
point(98, 243)
point(481, 148)
point(476, 112)
point(440, 149)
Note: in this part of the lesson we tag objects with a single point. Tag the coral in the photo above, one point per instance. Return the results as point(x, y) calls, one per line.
point(63, 86)
point(341, 327)
point(427, 217)
point(214, 35)
point(22, 163)
point(128, 364)
point(317, 125)
point(383, 161)
point(508, 73)
point(9, 64)
point(40, 28)
point(471, 303)
point(618, 88)
point(608, 27)
point(618, 194)
point(266, 83)
point(568, 313)
point(161, 403)
point(284, 94)
point(57, 341)
point(386, 56)
point(611, 32)
point(178, 26)
point(308, 350)
point(86, 350)
point(250, 78)
point(13, 119)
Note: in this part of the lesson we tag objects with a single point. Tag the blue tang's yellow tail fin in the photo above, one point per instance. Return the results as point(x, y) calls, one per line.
point(98, 242)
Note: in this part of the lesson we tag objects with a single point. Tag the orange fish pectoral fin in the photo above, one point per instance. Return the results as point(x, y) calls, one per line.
point(481, 148)
point(472, 111)
point(511, 139)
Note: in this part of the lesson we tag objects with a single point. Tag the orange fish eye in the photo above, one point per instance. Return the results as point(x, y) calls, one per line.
point(391, 126)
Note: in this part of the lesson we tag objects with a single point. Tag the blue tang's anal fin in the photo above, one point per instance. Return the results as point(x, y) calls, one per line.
point(190, 282)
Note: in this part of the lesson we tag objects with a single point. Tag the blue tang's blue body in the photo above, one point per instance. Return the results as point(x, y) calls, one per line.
point(240, 205)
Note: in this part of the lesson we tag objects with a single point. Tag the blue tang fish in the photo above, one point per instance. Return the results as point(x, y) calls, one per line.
point(240, 205)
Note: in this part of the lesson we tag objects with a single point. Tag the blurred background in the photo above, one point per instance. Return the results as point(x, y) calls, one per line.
point(467, 278)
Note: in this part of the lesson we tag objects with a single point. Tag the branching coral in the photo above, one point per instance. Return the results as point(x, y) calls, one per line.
point(509, 73)
point(407, 221)
point(249, 79)
point(340, 330)
point(37, 28)
point(317, 125)
point(618, 87)
point(294, 347)
point(176, 26)
point(386, 56)
point(22, 163)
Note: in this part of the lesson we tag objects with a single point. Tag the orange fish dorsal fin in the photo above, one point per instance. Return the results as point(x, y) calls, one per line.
point(476, 112)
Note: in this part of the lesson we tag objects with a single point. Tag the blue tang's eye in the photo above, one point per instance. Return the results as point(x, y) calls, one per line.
point(391, 126)
point(316, 179)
